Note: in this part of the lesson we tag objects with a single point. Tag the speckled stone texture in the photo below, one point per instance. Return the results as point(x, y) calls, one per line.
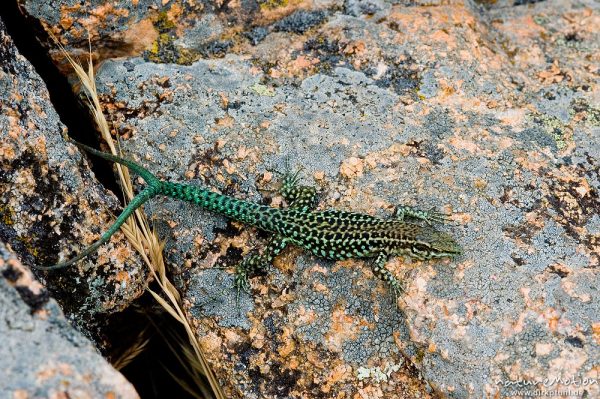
point(50, 203)
point(490, 112)
point(41, 355)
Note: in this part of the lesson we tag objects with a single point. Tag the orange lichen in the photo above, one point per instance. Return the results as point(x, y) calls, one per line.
point(343, 328)
point(352, 167)
point(596, 332)
point(289, 345)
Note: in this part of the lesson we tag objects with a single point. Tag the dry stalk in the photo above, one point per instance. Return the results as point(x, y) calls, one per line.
point(138, 231)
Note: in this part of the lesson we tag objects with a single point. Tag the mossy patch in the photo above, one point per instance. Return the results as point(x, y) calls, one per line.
point(328, 52)
point(554, 128)
point(401, 77)
point(163, 49)
point(486, 2)
point(30, 245)
point(561, 132)
point(7, 215)
point(300, 21)
point(216, 48)
point(262, 90)
point(591, 114)
point(163, 24)
point(272, 4)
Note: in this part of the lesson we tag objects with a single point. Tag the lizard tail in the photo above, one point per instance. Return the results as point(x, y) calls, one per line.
point(144, 173)
point(154, 187)
point(135, 203)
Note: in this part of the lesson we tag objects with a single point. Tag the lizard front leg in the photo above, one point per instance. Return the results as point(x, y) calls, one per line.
point(431, 216)
point(379, 270)
point(298, 197)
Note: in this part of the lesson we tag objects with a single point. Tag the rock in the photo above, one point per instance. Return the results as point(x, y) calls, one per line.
point(41, 354)
point(300, 21)
point(487, 112)
point(51, 206)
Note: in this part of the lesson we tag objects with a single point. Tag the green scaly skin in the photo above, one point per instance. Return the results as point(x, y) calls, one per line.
point(330, 234)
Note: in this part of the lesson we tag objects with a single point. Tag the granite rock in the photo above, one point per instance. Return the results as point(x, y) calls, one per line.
point(51, 205)
point(41, 354)
point(488, 111)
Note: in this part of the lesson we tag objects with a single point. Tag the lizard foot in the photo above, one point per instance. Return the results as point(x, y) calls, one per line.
point(240, 281)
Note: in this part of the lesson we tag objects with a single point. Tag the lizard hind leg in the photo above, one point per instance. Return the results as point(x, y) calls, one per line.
point(297, 196)
point(253, 264)
point(153, 189)
point(136, 202)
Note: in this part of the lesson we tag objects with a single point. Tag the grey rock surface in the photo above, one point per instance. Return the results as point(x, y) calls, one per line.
point(51, 205)
point(41, 355)
point(490, 112)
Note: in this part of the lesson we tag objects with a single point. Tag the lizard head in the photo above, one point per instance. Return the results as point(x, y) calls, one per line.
point(428, 243)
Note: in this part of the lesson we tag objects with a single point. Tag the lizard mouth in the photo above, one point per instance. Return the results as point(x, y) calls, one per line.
point(435, 244)
point(450, 250)
point(447, 248)
point(448, 253)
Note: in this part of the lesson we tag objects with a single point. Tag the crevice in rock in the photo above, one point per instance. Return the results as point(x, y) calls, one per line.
point(24, 32)
point(148, 371)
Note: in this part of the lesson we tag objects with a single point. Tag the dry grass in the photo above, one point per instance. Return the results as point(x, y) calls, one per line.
point(183, 351)
point(146, 243)
point(134, 350)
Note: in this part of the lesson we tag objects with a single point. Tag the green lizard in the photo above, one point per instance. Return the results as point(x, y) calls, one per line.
point(331, 234)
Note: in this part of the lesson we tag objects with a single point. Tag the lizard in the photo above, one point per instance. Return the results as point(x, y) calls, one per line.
point(330, 234)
